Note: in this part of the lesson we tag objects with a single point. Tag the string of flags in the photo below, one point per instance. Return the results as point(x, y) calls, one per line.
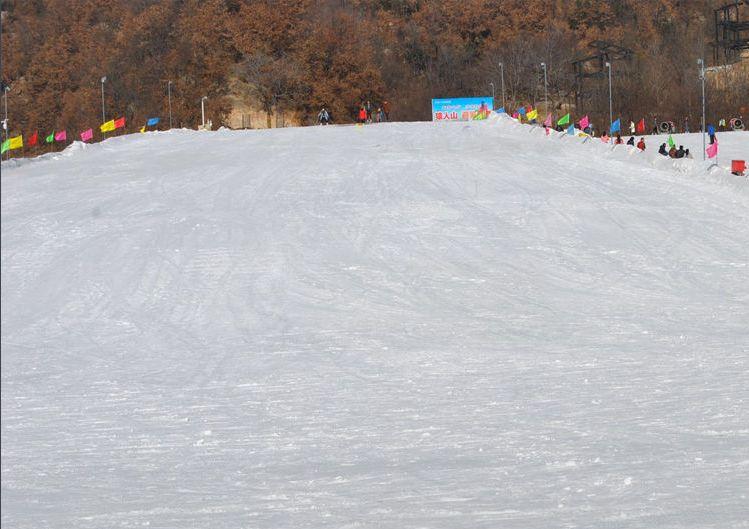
point(17, 142)
point(531, 115)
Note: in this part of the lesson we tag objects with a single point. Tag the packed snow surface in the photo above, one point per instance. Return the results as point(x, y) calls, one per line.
point(392, 326)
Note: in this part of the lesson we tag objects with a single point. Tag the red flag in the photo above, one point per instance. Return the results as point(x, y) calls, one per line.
point(32, 139)
point(641, 126)
point(119, 123)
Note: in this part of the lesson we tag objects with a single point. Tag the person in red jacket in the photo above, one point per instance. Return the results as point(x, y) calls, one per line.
point(641, 144)
point(362, 115)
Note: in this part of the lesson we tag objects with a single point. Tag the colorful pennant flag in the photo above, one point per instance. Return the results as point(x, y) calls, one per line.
point(532, 115)
point(515, 115)
point(671, 142)
point(12, 143)
point(712, 150)
point(571, 130)
point(61, 136)
point(119, 123)
point(584, 122)
point(108, 126)
point(501, 111)
point(50, 138)
point(547, 121)
point(564, 120)
point(641, 126)
point(616, 126)
point(521, 111)
point(155, 121)
point(143, 128)
point(33, 139)
point(87, 135)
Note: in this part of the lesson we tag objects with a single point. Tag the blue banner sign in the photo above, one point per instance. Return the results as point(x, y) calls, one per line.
point(461, 108)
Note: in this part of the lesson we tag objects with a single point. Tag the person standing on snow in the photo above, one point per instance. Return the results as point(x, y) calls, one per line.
point(386, 110)
point(632, 128)
point(323, 118)
point(362, 115)
point(368, 108)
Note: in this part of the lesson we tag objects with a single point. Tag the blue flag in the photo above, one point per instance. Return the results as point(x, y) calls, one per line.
point(501, 110)
point(711, 130)
point(521, 111)
point(571, 130)
point(152, 121)
point(616, 126)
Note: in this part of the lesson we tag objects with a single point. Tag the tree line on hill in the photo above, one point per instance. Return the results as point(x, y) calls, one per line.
point(299, 55)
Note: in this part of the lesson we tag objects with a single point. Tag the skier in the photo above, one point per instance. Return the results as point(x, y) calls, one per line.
point(323, 118)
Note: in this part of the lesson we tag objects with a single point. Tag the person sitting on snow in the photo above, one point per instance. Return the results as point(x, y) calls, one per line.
point(662, 150)
point(680, 152)
point(631, 141)
point(641, 144)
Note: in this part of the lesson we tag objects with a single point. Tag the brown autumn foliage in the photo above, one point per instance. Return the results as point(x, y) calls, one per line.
point(297, 55)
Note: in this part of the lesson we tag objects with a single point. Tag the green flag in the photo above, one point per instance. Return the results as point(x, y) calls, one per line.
point(50, 138)
point(564, 120)
point(6, 146)
point(671, 141)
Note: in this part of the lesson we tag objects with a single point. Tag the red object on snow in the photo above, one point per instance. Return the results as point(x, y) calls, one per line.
point(738, 167)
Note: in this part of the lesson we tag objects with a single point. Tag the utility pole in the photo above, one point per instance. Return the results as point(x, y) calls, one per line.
point(502, 74)
point(491, 83)
point(6, 127)
point(202, 109)
point(546, 103)
point(701, 64)
point(103, 114)
point(611, 108)
point(169, 92)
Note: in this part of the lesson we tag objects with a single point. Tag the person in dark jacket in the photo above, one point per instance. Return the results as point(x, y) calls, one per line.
point(618, 140)
point(680, 152)
point(662, 150)
point(631, 141)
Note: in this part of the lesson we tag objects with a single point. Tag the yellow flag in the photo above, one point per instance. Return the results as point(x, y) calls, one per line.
point(143, 128)
point(16, 143)
point(533, 114)
point(108, 126)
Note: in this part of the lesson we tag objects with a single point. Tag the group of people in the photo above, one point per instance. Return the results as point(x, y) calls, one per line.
point(368, 113)
point(673, 152)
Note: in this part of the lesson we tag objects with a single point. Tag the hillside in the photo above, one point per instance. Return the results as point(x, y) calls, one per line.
point(401, 325)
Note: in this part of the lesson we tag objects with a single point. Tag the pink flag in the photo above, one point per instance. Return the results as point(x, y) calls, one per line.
point(712, 150)
point(60, 136)
point(584, 122)
point(547, 122)
point(515, 115)
point(87, 134)
point(547, 130)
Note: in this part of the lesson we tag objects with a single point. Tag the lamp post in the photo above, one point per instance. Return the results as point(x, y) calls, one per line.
point(611, 108)
point(6, 127)
point(701, 64)
point(546, 103)
point(491, 83)
point(502, 74)
point(169, 92)
point(202, 109)
point(103, 115)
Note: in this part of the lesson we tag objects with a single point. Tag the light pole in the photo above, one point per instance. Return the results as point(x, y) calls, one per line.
point(701, 64)
point(491, 83)
point(502, 74)
point(103, 115)
point(169, 92)
point(611, 108)
point(546, 103)
point(6, 89)
point(202, 109)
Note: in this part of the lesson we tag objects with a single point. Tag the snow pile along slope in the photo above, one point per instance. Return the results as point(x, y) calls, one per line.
point(402, 325)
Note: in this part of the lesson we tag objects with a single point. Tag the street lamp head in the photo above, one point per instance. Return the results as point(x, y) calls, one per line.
point(543, 65)
point(103, 79)
point(608, 65)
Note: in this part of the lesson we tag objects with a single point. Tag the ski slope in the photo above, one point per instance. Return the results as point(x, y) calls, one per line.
point(396, 326)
